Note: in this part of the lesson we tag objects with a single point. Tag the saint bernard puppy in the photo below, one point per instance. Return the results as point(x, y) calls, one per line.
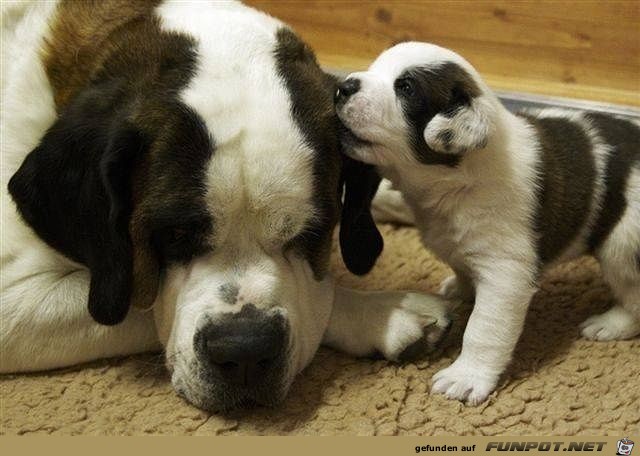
point(183, 159)
point(497, 196)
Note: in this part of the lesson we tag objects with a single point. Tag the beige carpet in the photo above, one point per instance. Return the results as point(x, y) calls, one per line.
point(558, 383)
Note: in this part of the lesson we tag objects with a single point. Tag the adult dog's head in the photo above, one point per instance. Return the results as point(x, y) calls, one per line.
point(194, 167)
point(417, 104)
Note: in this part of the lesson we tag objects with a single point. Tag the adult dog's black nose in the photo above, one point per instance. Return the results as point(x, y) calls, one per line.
point(243, 348)
point(347, 88)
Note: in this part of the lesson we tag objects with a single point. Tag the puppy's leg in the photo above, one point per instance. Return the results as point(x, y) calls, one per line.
point(622, 321)
point(46, 324)
point(504, 290)
point(391, 322)
point(617, 323)
point(389, 206)
point(620, 260)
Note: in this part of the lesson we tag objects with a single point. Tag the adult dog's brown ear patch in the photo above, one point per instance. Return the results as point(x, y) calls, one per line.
point(311, 92)
point(74, 190)
point(146, 268)
point(115, 74)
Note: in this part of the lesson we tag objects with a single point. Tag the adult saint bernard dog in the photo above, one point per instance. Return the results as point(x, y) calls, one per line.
point(171, 177)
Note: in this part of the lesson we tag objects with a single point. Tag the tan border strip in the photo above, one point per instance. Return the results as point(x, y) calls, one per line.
point(370, 446)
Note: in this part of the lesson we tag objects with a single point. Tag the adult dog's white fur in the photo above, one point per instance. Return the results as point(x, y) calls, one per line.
point(262, 181)
point(478, 216)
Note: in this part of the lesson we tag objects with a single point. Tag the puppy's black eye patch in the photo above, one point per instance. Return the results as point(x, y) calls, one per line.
point(458, 99)
point(404, 87)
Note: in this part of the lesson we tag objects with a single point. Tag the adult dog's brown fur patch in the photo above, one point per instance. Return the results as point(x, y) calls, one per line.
point(116, 54)
point(83, 36)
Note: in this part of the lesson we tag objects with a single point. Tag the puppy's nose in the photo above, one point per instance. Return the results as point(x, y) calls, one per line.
point(243, 348)
point(347, 88)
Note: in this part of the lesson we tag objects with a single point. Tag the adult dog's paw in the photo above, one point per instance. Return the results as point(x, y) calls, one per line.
point(398, 325)
point(464, 382)
point(416, 326)
point(454, 288)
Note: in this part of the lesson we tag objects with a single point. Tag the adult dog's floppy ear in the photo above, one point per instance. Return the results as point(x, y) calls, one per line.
point(463, 125)
point(74, 190)
point(360, 240)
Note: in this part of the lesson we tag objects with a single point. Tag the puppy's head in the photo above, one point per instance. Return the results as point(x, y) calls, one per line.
point(416, 103)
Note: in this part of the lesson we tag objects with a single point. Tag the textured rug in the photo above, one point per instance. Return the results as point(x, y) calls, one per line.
point(557, 384)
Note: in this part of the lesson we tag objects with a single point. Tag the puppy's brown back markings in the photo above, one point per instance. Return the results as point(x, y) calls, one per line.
point(566, 179)
point(624, 137)
point(567, 175)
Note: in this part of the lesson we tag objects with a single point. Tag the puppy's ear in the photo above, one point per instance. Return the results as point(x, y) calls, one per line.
point(74, 190)
point(465, 123)
point(360, 240)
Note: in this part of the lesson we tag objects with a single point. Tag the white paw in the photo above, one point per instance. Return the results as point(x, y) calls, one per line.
point(409, 333)
point(464, 382)
point(452, 288)
point(615, 324)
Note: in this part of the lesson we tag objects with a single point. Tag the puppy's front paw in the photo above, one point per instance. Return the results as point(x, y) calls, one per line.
point(464, 382)
point(615, 324)
point(410, 333)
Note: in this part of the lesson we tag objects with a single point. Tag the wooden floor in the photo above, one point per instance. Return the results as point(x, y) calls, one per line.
point(579, 49)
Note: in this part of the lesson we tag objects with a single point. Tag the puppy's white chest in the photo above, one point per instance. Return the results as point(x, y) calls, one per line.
point(441, 232)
